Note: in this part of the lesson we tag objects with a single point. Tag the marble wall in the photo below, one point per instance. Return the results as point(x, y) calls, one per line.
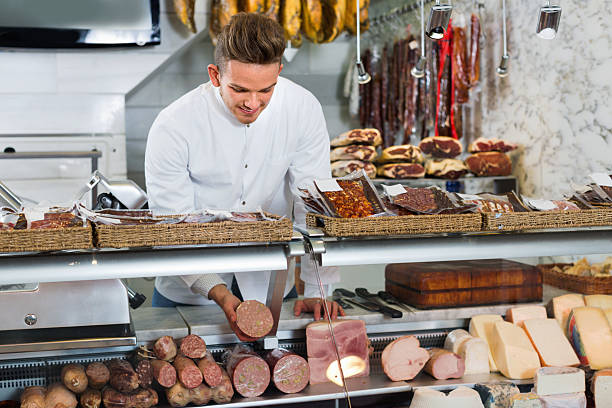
point(555, 101)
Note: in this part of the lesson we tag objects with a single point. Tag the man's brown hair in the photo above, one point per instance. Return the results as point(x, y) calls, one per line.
point(250, 38)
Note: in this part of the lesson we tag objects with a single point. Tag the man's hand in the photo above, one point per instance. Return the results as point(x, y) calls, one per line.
point(228, 303)
point(313, 305)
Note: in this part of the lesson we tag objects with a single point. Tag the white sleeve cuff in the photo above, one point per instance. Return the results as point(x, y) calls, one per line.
point(205, 283)
point(311, 290)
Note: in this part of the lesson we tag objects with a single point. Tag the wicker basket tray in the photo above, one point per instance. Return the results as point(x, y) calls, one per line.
point(401, 225)
point(588, 285)
point(51, 239)
point(225, 232)
point(546, 219)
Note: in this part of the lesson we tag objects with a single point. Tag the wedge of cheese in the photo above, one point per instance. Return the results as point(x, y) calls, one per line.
point(601, 386)
point(518, 315)
point(526, 400)
point(551, 344)
point(475, 352)
point(513, 353)
point(577, 400)
point(559, 380)
point(496, 395)
point(481, 326)
point(600, 301)
point(561, 306)
point(591, 336)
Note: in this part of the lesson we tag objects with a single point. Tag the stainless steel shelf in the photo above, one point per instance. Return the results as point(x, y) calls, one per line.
point(344, 252)
point(111, 264)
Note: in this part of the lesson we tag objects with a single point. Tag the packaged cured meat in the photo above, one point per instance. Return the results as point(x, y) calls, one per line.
point(354, 152)
point(358, 136)
point(441, 146)
point(345, 167)
point(313, 201)
point(290, 372)
point(401, 170)
point(489, 164)
point(403, 358)
point(486, 203)
point(550, 205)
point(249, 373)
point(352, 196)
point(445, 168)
point(352, 341)
point(491, 145)
point(254, 318)
point(430, 200)
point(312, 19)
point(461, 81)
point(401, 154)
point(291, 20)
point(474, 53)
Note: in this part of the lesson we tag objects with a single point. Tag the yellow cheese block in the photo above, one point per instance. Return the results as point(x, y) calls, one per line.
point(600, 301)
point(591, 335)
point(512, 351)
point(518, 315)
point(482, 326)
point(551, 344)
point(561, 306)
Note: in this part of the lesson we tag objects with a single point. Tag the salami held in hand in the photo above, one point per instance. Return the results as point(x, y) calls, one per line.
point(254, 318)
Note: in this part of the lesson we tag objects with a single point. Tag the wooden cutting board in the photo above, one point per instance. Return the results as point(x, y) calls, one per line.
point(429, 285)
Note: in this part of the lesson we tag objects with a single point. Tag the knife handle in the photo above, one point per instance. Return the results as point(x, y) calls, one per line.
point(363, 292)
point(389, 311)
point(344, 292)
point(387, 297)
point(343, 304)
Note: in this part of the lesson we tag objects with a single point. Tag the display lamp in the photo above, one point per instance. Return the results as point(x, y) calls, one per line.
point(502, 69)
point(548, 23)
point(439, 16)
point(418, 71)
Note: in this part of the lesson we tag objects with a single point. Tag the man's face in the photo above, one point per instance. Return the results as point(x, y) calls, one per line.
point(245, 88)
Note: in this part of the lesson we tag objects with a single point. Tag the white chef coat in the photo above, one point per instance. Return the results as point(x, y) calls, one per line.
point(199, 156)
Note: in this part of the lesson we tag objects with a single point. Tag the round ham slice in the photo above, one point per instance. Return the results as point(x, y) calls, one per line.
point(254, 319)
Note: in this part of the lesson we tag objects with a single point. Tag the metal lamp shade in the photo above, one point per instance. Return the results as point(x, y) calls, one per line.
point(362, 76)
point(439, 17)
point(548, 24)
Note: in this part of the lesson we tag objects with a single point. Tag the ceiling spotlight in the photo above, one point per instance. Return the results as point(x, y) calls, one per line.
point(548, 24)
point(502, 69)
point(362, 76)
point(418, 71)
point(439, 17)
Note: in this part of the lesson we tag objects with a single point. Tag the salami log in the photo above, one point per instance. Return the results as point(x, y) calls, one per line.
point(33, 397)
point(367, 91)
point(97, 375)
point(290, 372)
point(210, 370)
point(433, 63)
point(187, 372)
point(444, 364)
point(223, 392)
point(143, 398)
point(249, 373)
point(254, 318)
point(142, 366)
point(165, 348)
point(74, 378)
point(474, 60)
point(444, 100)
point(384, 88)
point(193, 346)
point(123, 378)
point(90, 398)
point(460, 67)
point(58, 396)
point(114, 399)
point(164, 373)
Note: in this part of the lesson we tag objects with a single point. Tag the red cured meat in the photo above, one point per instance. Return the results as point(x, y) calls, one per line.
point(210, 370)
point(164, 373)
point(249, 373)
point(193, 346)
point(351, 338)
point(254, 318)
point(187, 372)
point(165, 348)
point(290, 372)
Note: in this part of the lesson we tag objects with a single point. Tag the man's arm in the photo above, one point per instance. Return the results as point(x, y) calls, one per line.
point(311, 161)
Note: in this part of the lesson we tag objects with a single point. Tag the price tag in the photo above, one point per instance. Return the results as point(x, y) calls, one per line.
point(601, 179)
point(32, 214)
point(413, 45)
point(394, 190)
point(328, 185)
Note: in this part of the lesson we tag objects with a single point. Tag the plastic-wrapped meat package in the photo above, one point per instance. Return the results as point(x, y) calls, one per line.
point(351, 338)
point(248, 372)
point(430, 200)
point(290, 372)
point(52, 218)
point(8, 220)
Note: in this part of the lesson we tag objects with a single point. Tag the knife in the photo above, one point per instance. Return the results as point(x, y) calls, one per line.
point(366, 296)
point(375, 307)
point(392, 300)
point(344, 293)
point(338, 299)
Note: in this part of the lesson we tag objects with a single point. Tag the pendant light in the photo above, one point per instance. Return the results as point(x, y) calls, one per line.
point(362, 76)
point(418, 71)
point(502, 69)
point(548, 23)
point(439, 17)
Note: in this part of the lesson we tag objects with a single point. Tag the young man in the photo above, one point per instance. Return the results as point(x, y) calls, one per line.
point(243, 141)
